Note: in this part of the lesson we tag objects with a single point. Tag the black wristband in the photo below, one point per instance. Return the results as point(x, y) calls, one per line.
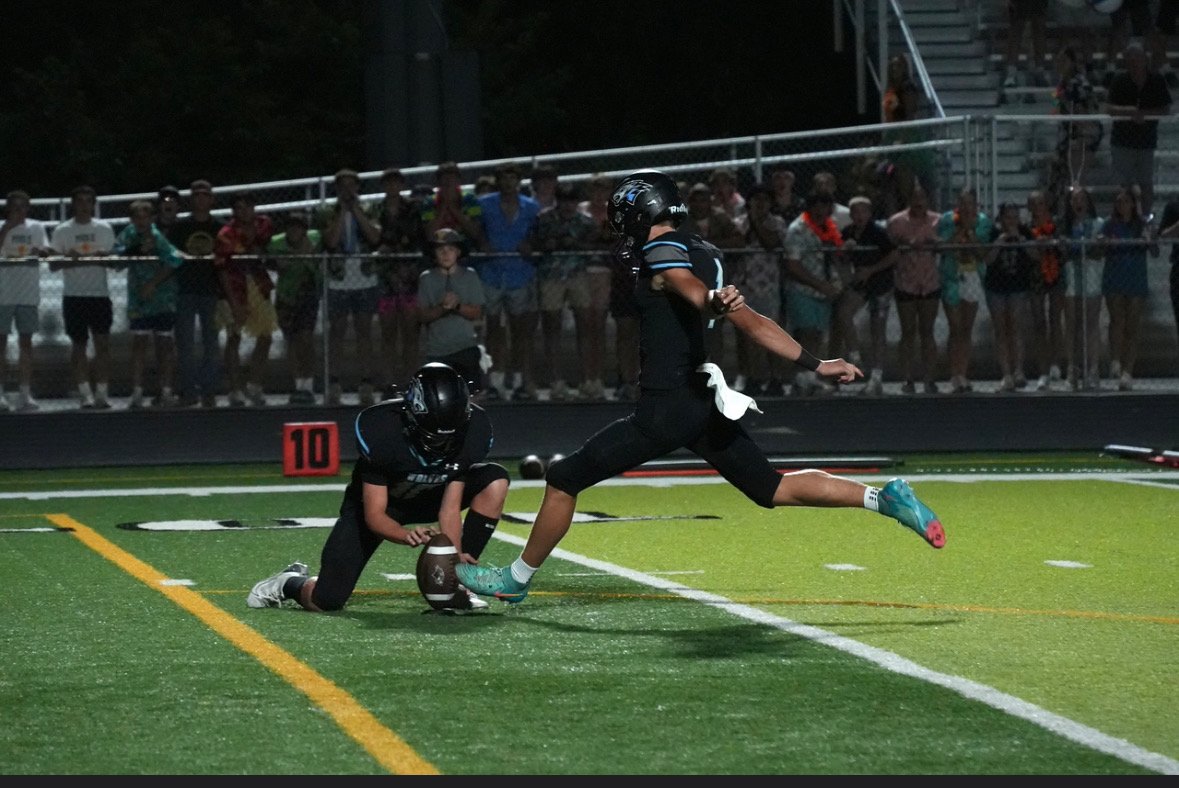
point(807, 361)
point(712, 304)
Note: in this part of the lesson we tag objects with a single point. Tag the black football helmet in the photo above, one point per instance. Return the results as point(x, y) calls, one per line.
point(643, 199)
point(437, 410)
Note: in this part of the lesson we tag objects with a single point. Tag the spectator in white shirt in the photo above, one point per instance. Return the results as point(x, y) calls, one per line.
point(86, 301)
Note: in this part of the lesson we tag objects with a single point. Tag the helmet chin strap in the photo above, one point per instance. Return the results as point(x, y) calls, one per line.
point(624, 253)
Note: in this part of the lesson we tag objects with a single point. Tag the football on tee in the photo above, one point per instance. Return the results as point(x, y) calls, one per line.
point(436, 578)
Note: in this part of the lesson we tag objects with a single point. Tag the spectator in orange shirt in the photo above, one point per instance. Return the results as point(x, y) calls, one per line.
point(239, 257)
point(1047, 292)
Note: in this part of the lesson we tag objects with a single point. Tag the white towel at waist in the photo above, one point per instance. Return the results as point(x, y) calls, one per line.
point(732, 404)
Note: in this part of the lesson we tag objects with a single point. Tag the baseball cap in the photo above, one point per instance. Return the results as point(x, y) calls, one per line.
point(201, 185)
point(169, 191)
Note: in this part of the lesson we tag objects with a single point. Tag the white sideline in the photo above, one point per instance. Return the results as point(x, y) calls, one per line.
point(1133, 477)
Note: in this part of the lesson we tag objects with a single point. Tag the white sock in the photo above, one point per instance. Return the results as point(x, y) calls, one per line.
point(102, 390)
point(137, 392)
point(84, 390)
point(496, 379)
point(878, 374)
point(522, 572)
point(26, 390)
point(166, 391)
point(305, 384)
point(870, 496)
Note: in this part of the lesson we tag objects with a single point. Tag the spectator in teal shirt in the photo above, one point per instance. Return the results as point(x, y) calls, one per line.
point(151, 300)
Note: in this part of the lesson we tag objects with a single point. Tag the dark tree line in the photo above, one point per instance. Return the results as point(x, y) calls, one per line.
point(130, 95)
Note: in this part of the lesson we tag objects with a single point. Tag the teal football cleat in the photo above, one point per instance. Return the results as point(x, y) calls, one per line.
point(898, 500)
point(493, 581)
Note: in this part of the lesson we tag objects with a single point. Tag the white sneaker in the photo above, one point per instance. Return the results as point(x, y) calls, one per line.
point(86, 403)
point(1007, 384)
point(559, 391)
point(26, 403)
point(254, 392)
point(237, 399)
point(136, 402)
point(101, 403)
point(4, 406)
point(164, 401)
point(268, 592)
point(1054, 372)
point(1042, 383)
point(592, 390)
point(1115, 369)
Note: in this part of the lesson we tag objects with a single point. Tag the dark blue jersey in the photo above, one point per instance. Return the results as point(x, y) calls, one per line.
point(387, 457)
point(672, 337)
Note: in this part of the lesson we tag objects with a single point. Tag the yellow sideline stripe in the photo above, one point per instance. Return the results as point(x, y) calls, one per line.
point(385, 746)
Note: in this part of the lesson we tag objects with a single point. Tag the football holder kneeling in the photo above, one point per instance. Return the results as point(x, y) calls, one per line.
point(310, 448)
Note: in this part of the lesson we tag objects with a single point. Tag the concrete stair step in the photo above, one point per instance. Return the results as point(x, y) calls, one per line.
point(947, 82)
point(924, 6)
point(958, 34)
point(965, 50)
point(948, 66)
point(940, 17)
point(968, 99)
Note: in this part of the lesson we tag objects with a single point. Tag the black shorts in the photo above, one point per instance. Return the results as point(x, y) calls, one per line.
point(901, 296)
point(352, 543)
point(1168, 11)
point(875, 286)
point(1027, 10)
point(86, 315)
point(466, 363)
point(662, 422)
point(1138, 14)
point(298, 316)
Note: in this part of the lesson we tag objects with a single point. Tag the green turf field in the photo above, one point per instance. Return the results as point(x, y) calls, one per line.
point(679, 630)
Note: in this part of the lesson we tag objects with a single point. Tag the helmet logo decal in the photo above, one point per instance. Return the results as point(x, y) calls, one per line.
point(415, 397)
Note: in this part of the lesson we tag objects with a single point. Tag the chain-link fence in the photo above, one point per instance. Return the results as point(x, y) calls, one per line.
point(1002, 159)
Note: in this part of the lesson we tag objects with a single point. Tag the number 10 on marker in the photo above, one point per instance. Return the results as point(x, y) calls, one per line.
point(311, 449)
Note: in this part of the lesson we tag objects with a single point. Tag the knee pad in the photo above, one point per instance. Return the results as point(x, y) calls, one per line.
point(566, 474)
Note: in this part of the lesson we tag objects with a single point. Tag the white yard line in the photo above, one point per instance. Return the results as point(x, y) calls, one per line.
point(1157, 478)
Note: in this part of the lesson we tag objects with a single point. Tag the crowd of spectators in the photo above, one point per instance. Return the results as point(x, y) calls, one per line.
point(473, 275)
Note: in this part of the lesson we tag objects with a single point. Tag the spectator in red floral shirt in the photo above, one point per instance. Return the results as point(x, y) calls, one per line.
point(246, 283)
